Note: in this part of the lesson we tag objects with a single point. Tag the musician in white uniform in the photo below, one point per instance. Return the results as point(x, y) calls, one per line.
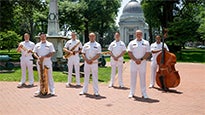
point(156, 49)
point(138, 51)
point(117, 49)
point(43, 51)
point(91, 52)
point(26, 60)
point(74, 59)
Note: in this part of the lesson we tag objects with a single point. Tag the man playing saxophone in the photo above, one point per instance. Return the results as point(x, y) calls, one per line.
point(43, 51)
point(72, 48)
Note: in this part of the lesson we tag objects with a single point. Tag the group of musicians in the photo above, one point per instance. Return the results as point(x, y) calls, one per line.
point(139, 51)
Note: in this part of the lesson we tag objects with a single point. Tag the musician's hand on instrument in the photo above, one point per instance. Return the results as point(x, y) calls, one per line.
point(20, 45)
point(41, 58)
point(74, 52)
point(70, 52)
point(30, 51)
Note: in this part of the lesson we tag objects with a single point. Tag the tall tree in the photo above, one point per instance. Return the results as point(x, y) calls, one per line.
point(102, 16)
point(158, 14)
point(185, 25)
point(89, 15)
point(72, 13)
point(25, 15)
point(6, 15)
point(201, 19)
point(153, 17)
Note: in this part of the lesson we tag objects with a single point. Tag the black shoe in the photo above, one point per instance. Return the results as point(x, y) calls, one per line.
point(20, 85)
point(30, 85)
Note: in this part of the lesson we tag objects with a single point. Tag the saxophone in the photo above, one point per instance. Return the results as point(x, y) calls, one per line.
point(43, 78)
point(67, 55)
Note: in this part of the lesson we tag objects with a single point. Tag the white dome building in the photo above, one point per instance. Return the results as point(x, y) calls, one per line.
point(132, 19)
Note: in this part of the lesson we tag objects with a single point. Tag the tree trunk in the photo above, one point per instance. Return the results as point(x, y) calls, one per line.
point(86, 32)
point(150, 34)
point(167, 13)
point(101, 39)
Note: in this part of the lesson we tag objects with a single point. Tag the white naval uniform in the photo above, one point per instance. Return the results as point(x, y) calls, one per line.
point(26, 61)
point(154, 66)
point(138, 49)
point(43, 49)
point(73, 60)
point(116, 48)
point(91, 49)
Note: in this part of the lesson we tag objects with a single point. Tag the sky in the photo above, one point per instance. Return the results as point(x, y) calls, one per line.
point(123, 3)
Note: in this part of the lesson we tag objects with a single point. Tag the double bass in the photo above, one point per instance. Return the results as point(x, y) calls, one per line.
point(167, 76)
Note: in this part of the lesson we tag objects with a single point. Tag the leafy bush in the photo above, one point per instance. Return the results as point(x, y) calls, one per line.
point(9, 40)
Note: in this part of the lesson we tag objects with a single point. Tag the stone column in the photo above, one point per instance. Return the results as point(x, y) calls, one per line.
point(53, 24)
point(53, 29)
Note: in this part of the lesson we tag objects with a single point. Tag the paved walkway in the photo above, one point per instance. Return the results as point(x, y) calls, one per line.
point(188, 98)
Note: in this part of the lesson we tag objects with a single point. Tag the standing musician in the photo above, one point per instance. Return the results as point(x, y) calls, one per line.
point(138, 51)
point(26, 60)
point(117, 49)
point(76, 47)
point(91, 52)
point(43, 51)
point(156, 48)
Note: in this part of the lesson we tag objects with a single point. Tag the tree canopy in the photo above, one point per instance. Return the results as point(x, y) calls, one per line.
point(183, 18)
point(82, 16)
point(89, 15)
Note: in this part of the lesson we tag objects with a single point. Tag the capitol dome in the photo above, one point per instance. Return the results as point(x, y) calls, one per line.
point(132, 7)
point(132, 19)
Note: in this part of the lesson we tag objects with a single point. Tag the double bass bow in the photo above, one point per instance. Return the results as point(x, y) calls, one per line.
point(166, 76)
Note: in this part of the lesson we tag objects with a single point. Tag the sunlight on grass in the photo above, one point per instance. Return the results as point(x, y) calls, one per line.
point(103, 75)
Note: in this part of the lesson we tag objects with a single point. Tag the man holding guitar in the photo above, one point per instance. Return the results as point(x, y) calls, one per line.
point(72, 48)
point(26, 60)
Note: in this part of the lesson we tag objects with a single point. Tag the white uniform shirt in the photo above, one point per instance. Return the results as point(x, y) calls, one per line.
point(138, 48)
point(117, 48)
point(43, 49)
point(91, 49)
point(71, 43)
point(29, 46)
point(157, 47)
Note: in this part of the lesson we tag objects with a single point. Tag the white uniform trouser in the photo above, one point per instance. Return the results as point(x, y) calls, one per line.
point(94, 69)
point(153, 73)
point(74, 60)
point(27, 63)
point(116, 65)
point(141, 69)
point(48, 63)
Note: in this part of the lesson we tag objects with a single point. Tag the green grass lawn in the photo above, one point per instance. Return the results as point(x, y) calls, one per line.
point(191, 55)
point(103, 75)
